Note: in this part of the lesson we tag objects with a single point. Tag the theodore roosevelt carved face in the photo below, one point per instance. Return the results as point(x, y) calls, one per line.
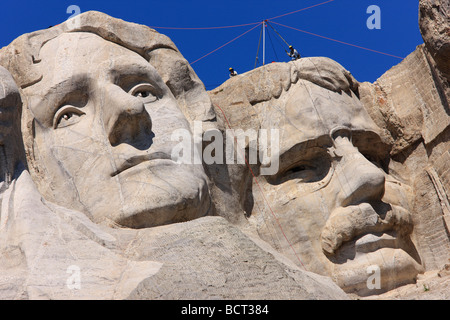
point(102, 119)
point(333, 206)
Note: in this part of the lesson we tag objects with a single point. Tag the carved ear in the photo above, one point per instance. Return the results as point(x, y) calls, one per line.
point(11, 146)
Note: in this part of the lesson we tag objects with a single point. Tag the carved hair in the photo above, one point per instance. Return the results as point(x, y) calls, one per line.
point(270, 81)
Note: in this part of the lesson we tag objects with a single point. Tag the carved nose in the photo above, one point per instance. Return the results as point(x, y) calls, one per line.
point(360, 180)
point(126, 119)
point(363, 181)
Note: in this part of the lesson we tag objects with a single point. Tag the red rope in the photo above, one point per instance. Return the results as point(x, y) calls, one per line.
point(226, 43)
point(239, 25)
point(207, 28)
point(346, 43)
point(301, 10)
point(260, 189)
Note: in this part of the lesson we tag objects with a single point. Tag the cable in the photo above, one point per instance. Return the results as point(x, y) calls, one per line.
point(316, 5)
point(259, 44)
point(278, 33)
point(273, 47)
point(237, 25)
point(260, 189)
point(225, 44)
point(279, 41)
point(206, 28)
point(346, 43)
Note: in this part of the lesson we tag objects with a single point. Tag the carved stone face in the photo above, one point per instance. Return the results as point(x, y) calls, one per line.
point(340, 212)
point(103, 120)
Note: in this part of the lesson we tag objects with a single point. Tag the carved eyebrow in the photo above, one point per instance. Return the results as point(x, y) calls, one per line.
point(366, 141)
point(129, 72)
point(59, 94)
point(299, 150)
point(74, 83)
point(320, 141)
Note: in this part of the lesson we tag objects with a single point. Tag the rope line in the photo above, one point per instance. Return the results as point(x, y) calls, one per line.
point(256, 24)
point(260, 189)
point(278, 34)
point(259, 44)
point(339, 41)
point(207, 28)
point(316, 5)
point(273, 47)
point(225, 44)
point(238, 25)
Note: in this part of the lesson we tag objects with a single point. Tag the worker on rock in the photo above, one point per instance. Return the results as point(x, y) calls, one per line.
point(293, 53)
point(232, 72)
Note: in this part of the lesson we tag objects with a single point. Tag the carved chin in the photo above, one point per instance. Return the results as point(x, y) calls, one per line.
point(182, 211)
point(361, 240)
point(377, 272)
point(172, 200)
point(148, 195)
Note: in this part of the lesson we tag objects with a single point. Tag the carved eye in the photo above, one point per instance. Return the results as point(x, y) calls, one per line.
point(146, 92)
point(306, 172)
point(313, 166)
point(300, 168)
point(371, 158)
point(377, 161)
point(66, 116)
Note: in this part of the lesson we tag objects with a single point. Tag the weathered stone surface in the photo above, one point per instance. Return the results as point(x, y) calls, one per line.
point(88, 127)
point(411, 103)
point(332, 206)
point(408, 105)
point(435, 28)
point(96, 208)
point(11, 146)
point(43, 245)
point(432, 285)
point(434, 25)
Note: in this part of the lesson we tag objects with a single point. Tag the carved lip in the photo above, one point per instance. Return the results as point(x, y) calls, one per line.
point(372, 242)
point(354, 222)
point(135, 160)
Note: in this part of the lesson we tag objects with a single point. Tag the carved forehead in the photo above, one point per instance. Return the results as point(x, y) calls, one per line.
point(313, 108)
point(22, 57)
point(85, 53)
point(80, 44)
point(311, 112)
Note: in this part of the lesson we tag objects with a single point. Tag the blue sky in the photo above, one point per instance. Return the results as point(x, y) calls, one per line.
point(343, 20)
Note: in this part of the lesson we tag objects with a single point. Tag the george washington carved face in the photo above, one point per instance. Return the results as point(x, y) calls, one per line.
point(102, 119)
